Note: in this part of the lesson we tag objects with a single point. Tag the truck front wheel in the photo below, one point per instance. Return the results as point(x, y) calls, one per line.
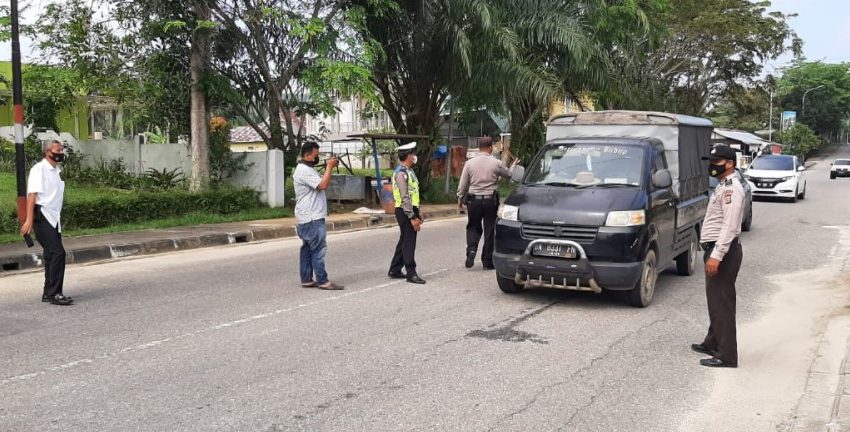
point(641, 294)
point(686, 263)
point(508, 285)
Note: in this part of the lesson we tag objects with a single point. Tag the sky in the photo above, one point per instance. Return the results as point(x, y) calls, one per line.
point(824, 26)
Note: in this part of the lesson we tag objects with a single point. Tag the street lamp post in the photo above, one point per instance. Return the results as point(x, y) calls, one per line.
point(804, 98)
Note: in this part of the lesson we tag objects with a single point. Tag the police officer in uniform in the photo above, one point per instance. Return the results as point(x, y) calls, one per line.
point(406, 194)
point(479, 188)
point(723, 255)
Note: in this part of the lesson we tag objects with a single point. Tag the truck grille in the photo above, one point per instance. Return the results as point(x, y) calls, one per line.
point(577, 234)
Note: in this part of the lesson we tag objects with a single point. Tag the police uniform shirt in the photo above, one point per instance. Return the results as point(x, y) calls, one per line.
point(404, 191)
point(724, 216)
point(480, 176)
point(45, 182)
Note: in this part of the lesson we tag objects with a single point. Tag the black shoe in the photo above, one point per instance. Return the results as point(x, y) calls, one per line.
point(702, 349)
point(470, 259)
point(396, 275)
point(716, 362)
point(416, 280)
point(489, 267)
point(60, 300)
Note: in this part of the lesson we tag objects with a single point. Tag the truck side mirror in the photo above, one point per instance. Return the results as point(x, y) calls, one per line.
point(662, 179)
point(801, 168)
point(518, 174)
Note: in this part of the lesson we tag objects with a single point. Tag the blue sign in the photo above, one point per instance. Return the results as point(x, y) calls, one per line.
point(789, 119)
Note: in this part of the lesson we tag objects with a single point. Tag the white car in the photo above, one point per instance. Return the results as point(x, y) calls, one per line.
point(839, 168)
point(777, 176)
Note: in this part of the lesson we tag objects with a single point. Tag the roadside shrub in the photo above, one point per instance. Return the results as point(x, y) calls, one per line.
point(162, 180)
point(142, 206)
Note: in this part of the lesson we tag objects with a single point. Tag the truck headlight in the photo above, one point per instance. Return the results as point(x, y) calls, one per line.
point(626, 218)
point(508, 212)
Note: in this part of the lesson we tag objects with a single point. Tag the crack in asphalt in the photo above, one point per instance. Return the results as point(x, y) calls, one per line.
point(575, 374)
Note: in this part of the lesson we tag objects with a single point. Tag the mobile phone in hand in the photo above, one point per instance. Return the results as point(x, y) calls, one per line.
point(28, 240)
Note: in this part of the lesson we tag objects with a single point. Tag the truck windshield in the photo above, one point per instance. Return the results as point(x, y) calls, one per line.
point(773, 163)
point(843, 162)
point(587, 165)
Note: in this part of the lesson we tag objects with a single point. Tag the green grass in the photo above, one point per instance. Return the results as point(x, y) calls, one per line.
point(83, 193)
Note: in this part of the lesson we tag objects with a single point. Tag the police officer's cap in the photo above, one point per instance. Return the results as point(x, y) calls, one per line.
point(722, 152)
point(407, 147)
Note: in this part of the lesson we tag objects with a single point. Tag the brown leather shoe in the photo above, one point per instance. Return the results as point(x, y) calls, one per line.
point(311, 284)
point(330, 286)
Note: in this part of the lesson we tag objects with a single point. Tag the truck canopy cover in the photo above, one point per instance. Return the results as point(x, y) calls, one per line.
point(686, 140)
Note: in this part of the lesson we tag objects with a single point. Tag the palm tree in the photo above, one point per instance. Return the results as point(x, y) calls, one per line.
point(422, 50)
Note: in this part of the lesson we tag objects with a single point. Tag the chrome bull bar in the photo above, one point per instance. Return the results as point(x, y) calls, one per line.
point(552, 283)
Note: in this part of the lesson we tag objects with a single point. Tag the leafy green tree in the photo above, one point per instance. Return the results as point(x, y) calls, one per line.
point(48, 90)
point(800, 140)
point(271, 52)
point(708, 47)
point(420, 51)
point(744, 108)
point(828, 105)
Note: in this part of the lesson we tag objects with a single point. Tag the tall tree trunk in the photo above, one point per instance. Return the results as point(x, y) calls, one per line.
point(200, 113)
point(276, 108)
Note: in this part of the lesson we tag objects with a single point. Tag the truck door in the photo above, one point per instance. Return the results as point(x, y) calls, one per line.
point(662, 211)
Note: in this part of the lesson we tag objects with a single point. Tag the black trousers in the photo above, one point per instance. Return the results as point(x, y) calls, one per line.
point(54, 255)
point(405, 250)
point(481, 220)
point(720, 294)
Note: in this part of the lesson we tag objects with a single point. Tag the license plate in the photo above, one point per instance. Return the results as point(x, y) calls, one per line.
point(555, 250)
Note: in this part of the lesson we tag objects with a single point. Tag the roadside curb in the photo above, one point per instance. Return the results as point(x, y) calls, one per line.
point(28, 261)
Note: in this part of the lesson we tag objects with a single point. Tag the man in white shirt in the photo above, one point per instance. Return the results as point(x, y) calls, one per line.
point(45, 194)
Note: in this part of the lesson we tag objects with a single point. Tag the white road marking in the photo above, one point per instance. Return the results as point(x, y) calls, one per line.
point(152, 344)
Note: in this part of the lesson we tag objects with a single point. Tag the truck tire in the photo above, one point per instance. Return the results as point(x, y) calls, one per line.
point(686, 262)
point(641, 294)
point(508, 285)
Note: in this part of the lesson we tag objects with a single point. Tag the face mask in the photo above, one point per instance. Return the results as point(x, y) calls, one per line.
point(311, 162)
point(58, 157)
point(716, 170)
point(415, 159)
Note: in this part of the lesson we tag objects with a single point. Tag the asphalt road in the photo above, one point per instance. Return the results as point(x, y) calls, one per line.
point(224, 339)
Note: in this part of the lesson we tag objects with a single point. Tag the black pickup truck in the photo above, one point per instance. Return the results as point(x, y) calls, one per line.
point(611, 200)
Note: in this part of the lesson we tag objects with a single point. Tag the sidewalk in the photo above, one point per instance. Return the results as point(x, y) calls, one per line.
point(84, 249)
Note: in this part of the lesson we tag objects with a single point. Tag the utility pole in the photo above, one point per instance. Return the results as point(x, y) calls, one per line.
point(449, 147)
point(18, 101)
point(770, 120)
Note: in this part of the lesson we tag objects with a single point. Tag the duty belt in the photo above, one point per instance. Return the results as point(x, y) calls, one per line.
point(709, 246)
point(481, 197)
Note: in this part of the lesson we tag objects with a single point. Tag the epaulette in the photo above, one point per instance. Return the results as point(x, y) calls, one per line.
point(727, 181)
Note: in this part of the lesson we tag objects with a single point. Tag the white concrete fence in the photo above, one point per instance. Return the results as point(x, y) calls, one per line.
point(265, 172)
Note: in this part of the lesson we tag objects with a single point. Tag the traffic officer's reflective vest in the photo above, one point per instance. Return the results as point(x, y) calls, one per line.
point(412, 187)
